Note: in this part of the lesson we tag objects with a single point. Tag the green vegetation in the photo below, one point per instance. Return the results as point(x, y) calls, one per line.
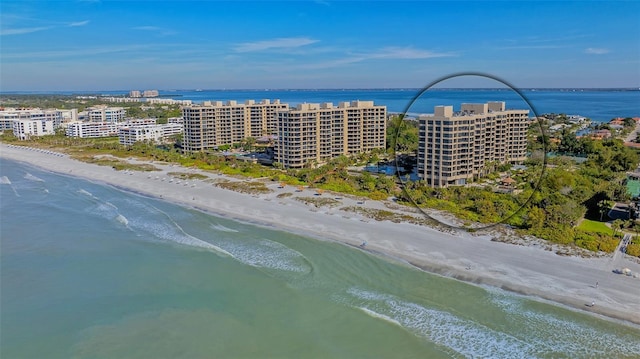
point(252, 187)
point(595, 227)
point(402, 135)
point(187, 176)
point(116, 164)
point(384, 215)
point(319, 201)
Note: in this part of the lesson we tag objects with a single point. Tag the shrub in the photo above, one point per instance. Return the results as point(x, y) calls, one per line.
point(633, 249)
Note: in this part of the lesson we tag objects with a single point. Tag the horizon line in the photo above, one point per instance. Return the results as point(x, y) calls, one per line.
point(9, 92)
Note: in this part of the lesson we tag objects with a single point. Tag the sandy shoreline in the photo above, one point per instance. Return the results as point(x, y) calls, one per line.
point(529, 270)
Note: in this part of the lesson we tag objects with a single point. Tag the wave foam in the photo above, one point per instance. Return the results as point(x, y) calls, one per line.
point(87, 193)
point(380, 316)
point(459, 336)
point(268, 254)
point(164, 228)
point(4, 180)
point(222, 228)
point(31, 177)
point(577, 339)
point(122, 219)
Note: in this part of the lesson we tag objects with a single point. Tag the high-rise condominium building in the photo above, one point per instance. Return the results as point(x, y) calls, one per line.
point(455, 147)
point(316, 133)
point(215, 123)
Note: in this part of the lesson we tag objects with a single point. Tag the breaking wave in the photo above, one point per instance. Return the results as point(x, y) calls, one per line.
point(577, 339)
point(222, 228)
point(31, 177)
point(268, 254)
point(456, 335)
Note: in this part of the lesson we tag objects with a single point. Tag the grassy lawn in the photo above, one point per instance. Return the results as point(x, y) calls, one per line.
point(588, 225)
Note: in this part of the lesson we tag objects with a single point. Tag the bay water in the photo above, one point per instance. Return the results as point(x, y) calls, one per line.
point(91, 271)
point(600, 105)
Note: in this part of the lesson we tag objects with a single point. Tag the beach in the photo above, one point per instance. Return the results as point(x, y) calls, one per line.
point(527, 269)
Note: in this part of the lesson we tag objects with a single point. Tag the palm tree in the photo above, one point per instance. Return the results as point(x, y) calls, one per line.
point(603, 207)
point(616, 226)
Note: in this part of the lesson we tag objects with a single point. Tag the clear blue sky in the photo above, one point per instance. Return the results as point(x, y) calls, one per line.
point(121, 45)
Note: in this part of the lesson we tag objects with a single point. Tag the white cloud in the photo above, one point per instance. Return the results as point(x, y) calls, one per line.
point(24, 30)
point(147, 28)
point(596, 51)
point(529, 47)
point(406, 53)
point(158, 30)
point(391, 53)
point(43, 55)
point(78, 23)
point(279, 43)
point(28, 30)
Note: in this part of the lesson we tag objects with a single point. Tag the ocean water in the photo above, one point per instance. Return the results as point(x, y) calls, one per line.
point(91, 271)
point(599, 105)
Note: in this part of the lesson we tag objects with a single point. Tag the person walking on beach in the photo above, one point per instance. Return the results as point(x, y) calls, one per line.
point(596, 284)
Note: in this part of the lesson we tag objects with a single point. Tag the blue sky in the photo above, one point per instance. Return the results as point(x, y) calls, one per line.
point(121, 45)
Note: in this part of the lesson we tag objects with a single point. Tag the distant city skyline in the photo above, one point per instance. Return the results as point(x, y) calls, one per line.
point(87, 45)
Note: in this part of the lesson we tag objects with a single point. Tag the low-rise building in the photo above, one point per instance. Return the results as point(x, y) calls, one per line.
point(27, 128)
point(121, 99)
point(92, 129)
point(103, 113)
point(128, 135)
point(169, 101)
point(9, 115)
point(140, 122)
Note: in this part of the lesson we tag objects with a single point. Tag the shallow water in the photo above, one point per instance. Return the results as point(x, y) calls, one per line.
point(88, 270)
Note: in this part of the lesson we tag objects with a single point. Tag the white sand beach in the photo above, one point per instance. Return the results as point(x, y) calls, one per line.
point(527, 269)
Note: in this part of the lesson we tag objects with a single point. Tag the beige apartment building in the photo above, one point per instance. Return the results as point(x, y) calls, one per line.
point(455, 147)
point(215, 123)
point(315, 133)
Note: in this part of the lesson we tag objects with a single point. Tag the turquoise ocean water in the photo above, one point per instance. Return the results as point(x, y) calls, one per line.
point(90, 271)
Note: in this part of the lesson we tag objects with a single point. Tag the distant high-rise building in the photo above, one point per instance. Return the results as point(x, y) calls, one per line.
point(455, 147)
point(150, 93)
point(215, 123)
point(315, 133)
point(134, 93)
